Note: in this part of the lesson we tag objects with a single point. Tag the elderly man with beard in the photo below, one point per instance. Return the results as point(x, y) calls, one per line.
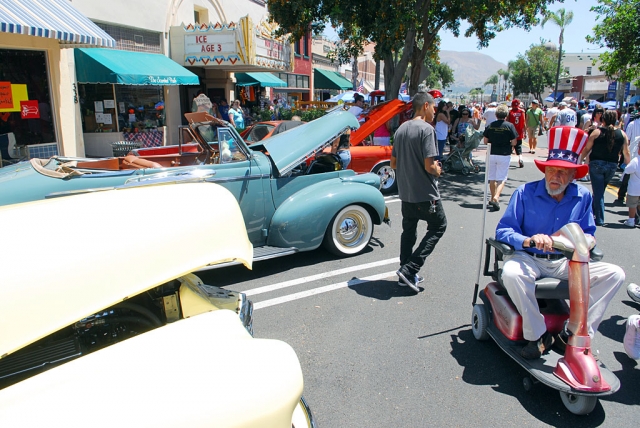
point(535, 211)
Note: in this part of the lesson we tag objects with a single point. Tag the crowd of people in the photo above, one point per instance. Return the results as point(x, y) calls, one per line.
point(535, 209)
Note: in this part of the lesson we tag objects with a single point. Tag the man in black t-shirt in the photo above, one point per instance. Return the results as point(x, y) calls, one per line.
point(503, 136)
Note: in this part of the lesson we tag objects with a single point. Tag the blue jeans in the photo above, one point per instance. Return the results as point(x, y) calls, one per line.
point(441, 144)
point(345, 158)
point(601, 173)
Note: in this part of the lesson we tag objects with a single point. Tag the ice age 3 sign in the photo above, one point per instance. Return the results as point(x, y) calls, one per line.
point(241, 45)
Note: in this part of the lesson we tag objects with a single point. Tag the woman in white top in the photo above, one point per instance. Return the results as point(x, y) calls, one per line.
point(442, 127)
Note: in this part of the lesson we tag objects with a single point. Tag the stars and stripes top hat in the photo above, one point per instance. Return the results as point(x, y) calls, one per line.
point(565, 145)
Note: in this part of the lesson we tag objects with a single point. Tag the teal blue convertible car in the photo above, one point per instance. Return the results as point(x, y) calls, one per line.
point(292, 196)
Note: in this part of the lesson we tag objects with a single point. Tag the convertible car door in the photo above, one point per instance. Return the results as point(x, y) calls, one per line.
point(243, 175)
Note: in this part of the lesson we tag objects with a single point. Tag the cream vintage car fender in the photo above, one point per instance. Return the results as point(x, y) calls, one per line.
point(205, 371)
point(107, 247)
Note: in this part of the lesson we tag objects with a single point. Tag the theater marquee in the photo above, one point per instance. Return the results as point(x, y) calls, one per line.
point(235, 46)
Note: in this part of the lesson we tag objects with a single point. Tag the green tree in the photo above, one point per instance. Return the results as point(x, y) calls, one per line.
point(532, 72)
point(562, 19)
point(619, 31)
point(439, 75)
point(404, 32)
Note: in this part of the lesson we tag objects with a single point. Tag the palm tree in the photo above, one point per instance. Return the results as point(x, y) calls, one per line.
point(562, 19)
point(501, 74)
point(492, 80)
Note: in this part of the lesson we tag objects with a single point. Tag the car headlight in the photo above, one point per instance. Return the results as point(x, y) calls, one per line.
point(245, 312)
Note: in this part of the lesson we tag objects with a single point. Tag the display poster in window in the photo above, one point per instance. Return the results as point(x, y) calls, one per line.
point(132, 117)
point(121, 107)
point(98, 106)
point(29, 109)
point(6, 96)
point(107, 119)
point(100, 117)
point(109, 104)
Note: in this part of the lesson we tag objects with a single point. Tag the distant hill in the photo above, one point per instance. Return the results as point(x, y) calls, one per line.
point(470, 69)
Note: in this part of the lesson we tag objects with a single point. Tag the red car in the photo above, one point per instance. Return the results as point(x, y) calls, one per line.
point(365, 157)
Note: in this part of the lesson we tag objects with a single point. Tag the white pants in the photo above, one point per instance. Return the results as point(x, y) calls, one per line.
point(520, 271)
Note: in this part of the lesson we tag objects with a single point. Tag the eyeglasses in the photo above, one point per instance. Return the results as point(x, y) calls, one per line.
point(465, 114)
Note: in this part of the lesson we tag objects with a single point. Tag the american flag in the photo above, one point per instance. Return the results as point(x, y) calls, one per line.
point(403, 88)
point(361, 87)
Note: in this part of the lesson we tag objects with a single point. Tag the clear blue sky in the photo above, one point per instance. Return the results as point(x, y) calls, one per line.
point(508, 44)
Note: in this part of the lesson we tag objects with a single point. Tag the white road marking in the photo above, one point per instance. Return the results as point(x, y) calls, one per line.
point(319, 290)
point(311, 278)
point(391, 199)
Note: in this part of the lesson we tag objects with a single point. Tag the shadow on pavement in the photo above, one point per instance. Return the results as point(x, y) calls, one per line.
point(485, 364)
point(234, 274)
point(382, 290)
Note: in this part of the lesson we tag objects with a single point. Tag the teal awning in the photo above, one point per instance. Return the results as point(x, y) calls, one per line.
point(95, 65)
point(262, 79)
point(327, 79)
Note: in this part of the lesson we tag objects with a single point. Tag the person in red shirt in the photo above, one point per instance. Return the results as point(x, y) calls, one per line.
point(517, 117)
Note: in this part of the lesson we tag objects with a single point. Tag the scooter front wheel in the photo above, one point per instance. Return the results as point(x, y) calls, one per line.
point(578, 404)
point(479, 322)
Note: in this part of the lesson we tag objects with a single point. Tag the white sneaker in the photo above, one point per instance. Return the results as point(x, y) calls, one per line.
point(633, 290)
point(632, 337)
point(630, 222)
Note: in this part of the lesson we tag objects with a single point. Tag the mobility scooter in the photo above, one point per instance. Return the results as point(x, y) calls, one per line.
point(577, 375)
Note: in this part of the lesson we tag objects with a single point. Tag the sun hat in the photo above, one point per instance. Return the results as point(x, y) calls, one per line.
point(515, 103)
point(565, 145)
point(535, 102)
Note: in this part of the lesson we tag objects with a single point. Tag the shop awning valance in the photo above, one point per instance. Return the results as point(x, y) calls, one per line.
point(262, 79)
point(54, 19)
point(327, 79)
point(129, 68)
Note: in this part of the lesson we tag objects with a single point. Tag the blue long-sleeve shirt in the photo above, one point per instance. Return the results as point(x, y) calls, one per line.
point(531, 211)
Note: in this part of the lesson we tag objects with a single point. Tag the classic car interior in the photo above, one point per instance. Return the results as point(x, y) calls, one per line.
point(154, 308)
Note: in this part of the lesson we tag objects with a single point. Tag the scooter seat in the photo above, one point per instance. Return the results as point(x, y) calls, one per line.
point(552, 288)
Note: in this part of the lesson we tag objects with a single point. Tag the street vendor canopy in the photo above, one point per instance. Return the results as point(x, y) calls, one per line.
point(262, 79)
point(129, 68)
point(327, 79)
point(554, 97)
point(54, 19)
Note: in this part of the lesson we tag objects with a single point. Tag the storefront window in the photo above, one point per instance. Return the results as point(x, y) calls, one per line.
point(107, 108)
point(26, 110)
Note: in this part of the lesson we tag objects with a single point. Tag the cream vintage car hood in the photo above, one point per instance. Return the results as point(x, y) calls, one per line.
point(197, 372)
point(67, 258)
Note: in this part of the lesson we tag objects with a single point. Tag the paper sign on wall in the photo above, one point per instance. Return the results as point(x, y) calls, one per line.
point(6, 96)
point(106, 119)
point(109, 104)
point(98, 106)
point(121, 107)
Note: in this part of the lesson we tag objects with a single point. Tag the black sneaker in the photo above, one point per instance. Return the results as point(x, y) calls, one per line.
point(534, 349)
point(408, 282)
point(521, 164)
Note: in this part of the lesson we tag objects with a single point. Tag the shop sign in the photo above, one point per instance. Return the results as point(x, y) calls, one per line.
point(161, 80)
point(230, 46)
point(29, 109)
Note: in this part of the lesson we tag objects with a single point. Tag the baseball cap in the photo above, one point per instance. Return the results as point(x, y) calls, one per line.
point(581, 103)
point(493, 104)
point(563, 104)
point(515, 103)
point(535, 102)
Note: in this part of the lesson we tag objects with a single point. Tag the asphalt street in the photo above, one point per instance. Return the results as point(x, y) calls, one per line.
point(375, 354)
